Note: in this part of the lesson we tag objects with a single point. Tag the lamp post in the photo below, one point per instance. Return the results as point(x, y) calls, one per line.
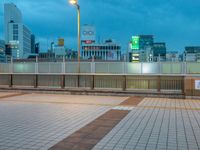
point(75, 3)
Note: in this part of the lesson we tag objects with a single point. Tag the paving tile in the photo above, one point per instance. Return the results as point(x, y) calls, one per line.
point(159, 123)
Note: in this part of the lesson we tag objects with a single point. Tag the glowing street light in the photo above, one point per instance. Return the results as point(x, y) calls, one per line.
point(75, 2)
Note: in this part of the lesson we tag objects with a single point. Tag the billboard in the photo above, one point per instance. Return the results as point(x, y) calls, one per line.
point(135, 43)
point(61, 42)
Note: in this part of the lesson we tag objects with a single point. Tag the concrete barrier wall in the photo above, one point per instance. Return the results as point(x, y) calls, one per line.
point(190, 86)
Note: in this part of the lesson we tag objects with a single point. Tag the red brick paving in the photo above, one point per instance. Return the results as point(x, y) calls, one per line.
point(87, 137)
point(12, 95)
point(132, 101)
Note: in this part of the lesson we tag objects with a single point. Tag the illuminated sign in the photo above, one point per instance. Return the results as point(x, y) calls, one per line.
point(61, 42)
point(135, 57)
point(197, 84)
point(135, 43)
point(88, 42)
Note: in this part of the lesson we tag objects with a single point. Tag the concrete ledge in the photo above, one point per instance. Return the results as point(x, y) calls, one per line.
point(95, 92)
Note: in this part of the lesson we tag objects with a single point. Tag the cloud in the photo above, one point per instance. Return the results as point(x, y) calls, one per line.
point(175, 22)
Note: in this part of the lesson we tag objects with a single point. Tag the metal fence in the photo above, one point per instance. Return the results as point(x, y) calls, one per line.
point(101, 68)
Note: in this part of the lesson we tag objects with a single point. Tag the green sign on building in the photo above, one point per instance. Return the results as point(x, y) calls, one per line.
point(135, 43)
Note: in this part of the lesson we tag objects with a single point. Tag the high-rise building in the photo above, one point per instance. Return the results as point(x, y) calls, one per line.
point(2, 46)
point(145, 41)
point(37, 48)
point(17, 35)
point(32, 43)
point(159, 52)
point(11, 15)
point(140, 48)
point(143, 49)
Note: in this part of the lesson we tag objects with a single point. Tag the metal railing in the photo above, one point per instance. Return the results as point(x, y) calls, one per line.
point(122, 68)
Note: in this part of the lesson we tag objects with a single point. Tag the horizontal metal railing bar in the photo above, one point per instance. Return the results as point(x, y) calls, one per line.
point(105, 74)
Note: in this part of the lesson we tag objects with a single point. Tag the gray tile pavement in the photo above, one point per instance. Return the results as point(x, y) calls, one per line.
point(172, 124)
point(39, 126)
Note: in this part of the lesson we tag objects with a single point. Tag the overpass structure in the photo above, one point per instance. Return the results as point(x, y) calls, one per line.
point(174, 79)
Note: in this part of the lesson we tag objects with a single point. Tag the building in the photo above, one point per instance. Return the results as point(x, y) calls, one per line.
point(32, 43)
point(141, 48)
point(159, 52)
point(91, 49)
point(145, 41)
point(59, 48)
point(37, 48)
point(2, 51)
point(2, 46)
point(173, 56)
point(47, 56)
point(17, 35)
point(192, 53)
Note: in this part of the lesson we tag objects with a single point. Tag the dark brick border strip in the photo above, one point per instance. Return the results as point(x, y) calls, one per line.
point(87, 137)
point(132, 101)
point(11, 95)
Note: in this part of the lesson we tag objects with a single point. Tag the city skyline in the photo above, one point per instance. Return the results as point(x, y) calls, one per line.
point(125, 18)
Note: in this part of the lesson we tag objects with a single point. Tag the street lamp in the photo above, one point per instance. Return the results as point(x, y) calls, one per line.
point(75, 3)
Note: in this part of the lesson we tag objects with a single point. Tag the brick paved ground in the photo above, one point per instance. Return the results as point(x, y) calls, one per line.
point(157, 124)
point(32, 125)
point(40, 121)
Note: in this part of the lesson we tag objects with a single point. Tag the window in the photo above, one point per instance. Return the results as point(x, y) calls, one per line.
point(15, 26)
point(15, 37)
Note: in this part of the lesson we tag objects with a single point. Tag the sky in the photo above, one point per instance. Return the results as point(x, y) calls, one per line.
point(176, 22)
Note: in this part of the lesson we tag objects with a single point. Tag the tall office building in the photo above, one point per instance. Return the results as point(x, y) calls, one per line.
point(2, 46)
point(32, 43)
point(140, 48)
point(17, 35)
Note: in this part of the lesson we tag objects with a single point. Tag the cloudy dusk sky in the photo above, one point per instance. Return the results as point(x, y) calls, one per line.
point(176, 22)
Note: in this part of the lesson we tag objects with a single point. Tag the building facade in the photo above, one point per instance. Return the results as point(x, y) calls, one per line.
point(2, 51)
point(141, 48)
point(192, 53)
point(159, 52)
point(2, 46)
point(173, 56)
point(17, 35)
point(91, 49)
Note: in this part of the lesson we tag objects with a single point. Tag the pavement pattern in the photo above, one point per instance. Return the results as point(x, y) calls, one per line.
point(32, 125)
point(58, 122)
point(156, 123)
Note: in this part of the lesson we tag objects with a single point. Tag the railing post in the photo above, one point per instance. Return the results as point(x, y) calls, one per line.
point(78, 80)
point(185, 66)
point(92, 83)
point(36, 81)
point(36, 65)
point(183, 85)
point(124, 83)
point(11, 80)
point(11, 65)
point(63, 65)
point(158, 83)
point(62, 81)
